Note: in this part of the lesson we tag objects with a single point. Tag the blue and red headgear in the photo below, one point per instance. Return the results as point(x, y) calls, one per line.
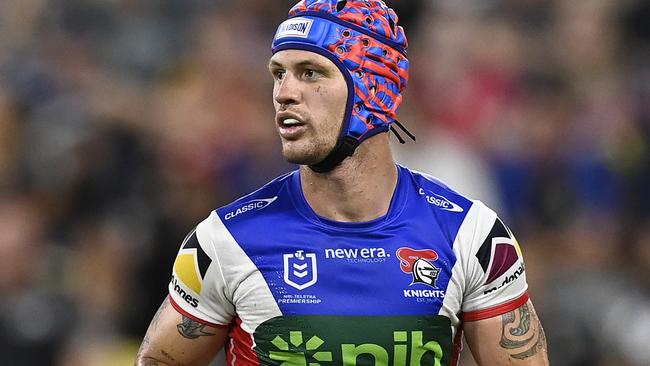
point(363, 40)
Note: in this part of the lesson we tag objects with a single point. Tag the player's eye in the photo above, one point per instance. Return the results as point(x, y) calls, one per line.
point(311, 74)
point(279, 74)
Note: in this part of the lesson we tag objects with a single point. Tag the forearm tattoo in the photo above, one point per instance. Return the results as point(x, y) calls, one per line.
point(153, 325)
point(156, 318)
point(170, 358)
point(522, 334)
point(191, 329)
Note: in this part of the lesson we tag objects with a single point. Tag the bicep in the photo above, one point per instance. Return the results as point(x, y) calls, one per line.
point(174, 339)
point(513, 338)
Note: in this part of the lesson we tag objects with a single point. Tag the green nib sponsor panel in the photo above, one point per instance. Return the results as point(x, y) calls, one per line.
point(315, 340)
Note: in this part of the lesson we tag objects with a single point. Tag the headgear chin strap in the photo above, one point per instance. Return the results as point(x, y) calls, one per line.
point(362, 38)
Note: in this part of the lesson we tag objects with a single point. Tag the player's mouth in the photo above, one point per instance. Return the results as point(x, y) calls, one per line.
point(290, 126)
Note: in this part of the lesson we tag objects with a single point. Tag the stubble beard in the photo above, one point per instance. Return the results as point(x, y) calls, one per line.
point(309, 154)
point(314, 146)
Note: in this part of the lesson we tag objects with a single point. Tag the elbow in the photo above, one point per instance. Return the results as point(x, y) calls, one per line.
point(143, 360)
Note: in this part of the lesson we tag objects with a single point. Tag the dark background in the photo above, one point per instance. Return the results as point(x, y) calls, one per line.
point(123, 123)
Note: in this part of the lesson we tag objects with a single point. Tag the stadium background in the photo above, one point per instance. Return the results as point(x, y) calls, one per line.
point(124, 122)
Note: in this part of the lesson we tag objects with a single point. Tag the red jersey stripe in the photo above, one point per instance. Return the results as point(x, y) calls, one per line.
point(496, 310)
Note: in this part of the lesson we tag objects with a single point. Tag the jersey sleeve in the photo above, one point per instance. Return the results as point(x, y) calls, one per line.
point(495, 273)
point(198, 288)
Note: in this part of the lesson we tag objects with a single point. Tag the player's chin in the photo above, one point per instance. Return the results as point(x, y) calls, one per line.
point(298, 153)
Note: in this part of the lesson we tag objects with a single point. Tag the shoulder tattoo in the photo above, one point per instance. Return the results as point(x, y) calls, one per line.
point(522, 333)
point(191, 329)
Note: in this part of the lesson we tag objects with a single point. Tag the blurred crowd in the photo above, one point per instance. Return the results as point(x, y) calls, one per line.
point(123, 123)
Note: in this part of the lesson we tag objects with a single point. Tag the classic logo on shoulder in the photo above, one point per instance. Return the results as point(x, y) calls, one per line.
point(252, 205)
point(419, 263)
point(300, 269)
point(440, 201)
point(295, 27)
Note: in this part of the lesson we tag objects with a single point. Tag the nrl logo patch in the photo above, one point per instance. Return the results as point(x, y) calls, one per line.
point(300, 270)
point(295, 27)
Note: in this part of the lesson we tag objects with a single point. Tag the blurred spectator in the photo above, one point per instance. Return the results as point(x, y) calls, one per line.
point(35, 317)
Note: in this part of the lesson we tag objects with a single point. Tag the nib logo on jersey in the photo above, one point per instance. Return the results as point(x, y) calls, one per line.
point(500, 257)
point(317, 340)
point(293, 355)
point(419, 263)
point(189, 269)
point(407, 345)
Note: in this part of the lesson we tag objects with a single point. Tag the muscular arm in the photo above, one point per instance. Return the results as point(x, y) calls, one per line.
point(515, 338)
point(176, 340)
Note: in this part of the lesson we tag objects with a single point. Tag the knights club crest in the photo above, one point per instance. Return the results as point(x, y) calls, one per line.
point(419, 263)
point(300, 269)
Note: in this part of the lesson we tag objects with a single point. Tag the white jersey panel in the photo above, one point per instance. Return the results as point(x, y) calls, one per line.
point(460, 276)
point(230, 282)
point(494, 266)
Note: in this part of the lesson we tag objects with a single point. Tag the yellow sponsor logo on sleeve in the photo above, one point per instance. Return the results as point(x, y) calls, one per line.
point(186, 271)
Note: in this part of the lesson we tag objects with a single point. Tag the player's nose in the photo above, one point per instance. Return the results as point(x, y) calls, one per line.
point(287, 91)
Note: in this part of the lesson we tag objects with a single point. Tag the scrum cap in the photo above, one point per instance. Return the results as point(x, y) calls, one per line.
point(362, 38)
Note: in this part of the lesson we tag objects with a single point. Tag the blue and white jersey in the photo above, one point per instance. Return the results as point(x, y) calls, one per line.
point(299, 289)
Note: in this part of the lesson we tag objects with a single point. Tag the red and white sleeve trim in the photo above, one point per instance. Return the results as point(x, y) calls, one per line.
point(199, 320)
point(496, 310)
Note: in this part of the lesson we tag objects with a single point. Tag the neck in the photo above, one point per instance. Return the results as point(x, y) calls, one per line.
point(359, 189)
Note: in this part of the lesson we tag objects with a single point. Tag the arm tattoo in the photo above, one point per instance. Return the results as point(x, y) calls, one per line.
point(522, 333)
point(170, 358)
point(153, 325)
point(156, 318)
point(191, 329)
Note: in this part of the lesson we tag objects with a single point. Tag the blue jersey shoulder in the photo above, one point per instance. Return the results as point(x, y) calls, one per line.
point(439, 194)
point(263, 199)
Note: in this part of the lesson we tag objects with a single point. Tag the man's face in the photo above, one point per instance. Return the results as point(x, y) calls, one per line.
point(309, 95)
